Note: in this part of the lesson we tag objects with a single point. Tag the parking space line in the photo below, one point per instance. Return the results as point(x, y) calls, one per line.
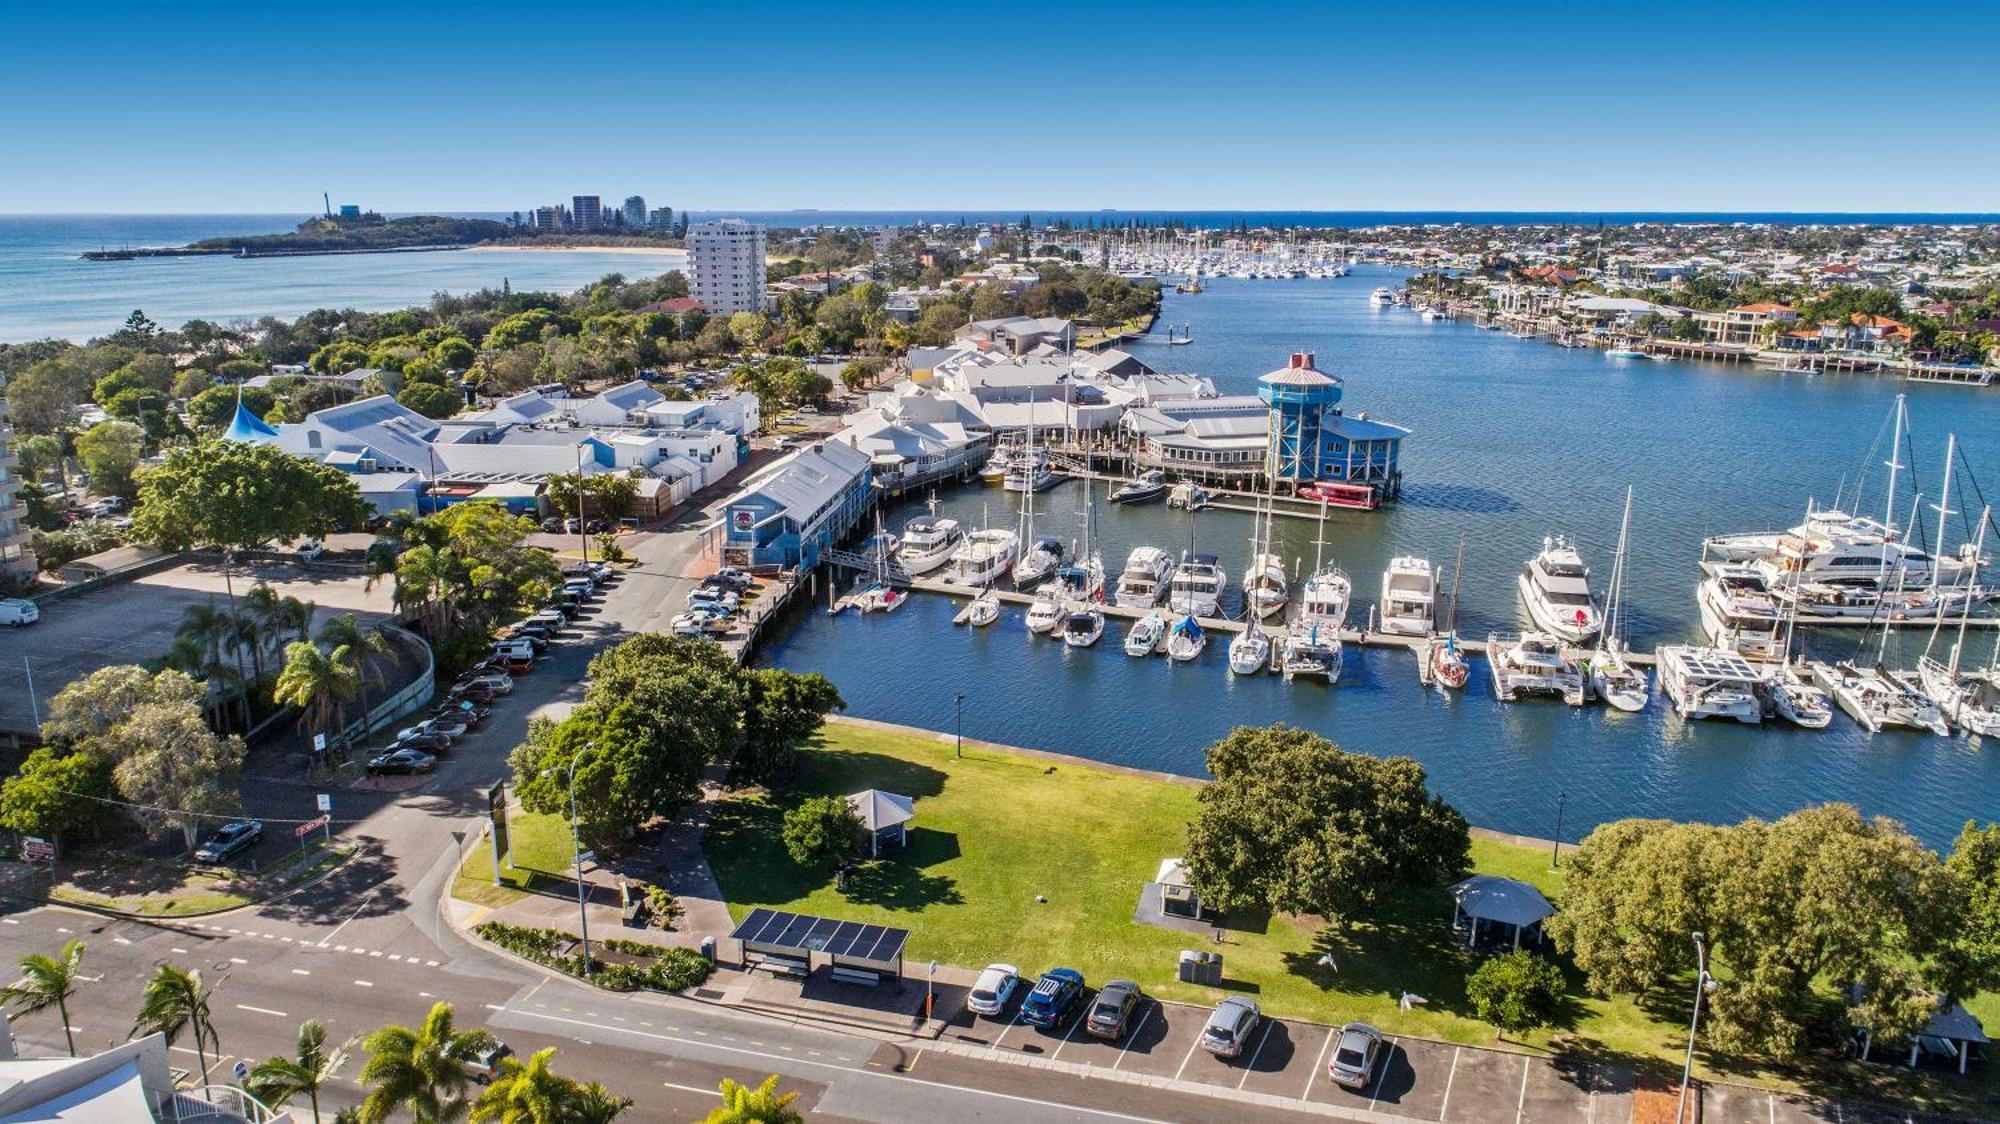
point(1250, 1066)
point(1081, 1015)
point(1453, 1072)
point(1521, 1105)
point(1185, 1057)
point(1317, 1063)
point(1394, 1045)
point(1134, 1035)
point(1014, 1022)
point(1770, 1102)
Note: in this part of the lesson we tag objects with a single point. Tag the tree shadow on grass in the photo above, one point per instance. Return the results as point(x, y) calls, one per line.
point(1406, 946)
point(850, 771)
point(896, 885)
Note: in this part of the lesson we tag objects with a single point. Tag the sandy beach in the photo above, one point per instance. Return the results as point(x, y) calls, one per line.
point(511, 247)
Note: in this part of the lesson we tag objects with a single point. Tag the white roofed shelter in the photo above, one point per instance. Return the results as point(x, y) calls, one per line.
point(886, 815)
point(1486, 899)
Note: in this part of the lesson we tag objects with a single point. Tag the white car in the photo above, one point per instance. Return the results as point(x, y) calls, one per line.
point(992, 989)
point(19, 611)
point(309, 550)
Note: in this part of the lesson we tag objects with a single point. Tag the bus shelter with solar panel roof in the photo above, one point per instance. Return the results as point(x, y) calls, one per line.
point(785, 944)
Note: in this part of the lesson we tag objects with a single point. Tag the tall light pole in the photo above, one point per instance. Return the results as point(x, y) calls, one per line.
point(1703, 984)
point(582, 538)
point(958, 703)
point(576, 851)
point(1555, 851)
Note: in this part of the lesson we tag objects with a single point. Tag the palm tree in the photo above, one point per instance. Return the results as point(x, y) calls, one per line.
point(294, 616)
point(763, 1105)
point(212, 628)
point(277, 1080)
point(427, 586)
point(173, 1000)
point(256, 622)
point(319, 684)
point(526, 1093)
point(47, 981)
point(595, 1104)
point(344, 631)
point(423, 1070)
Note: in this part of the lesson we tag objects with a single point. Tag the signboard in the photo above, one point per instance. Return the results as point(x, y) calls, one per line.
point(326, 802)
point(586, 857)
point(496, 812)
point(743, 519)
point(319, 743)
point(310, 826)
point(242, 1070)
point(37, 850)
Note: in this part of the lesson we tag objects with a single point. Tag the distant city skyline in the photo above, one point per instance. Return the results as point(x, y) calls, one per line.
point(1271, 107)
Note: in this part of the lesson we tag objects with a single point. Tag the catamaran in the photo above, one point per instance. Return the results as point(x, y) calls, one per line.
point(1709, 683)
point(1876, 700)
point(1969, 700)
point(1533, 664)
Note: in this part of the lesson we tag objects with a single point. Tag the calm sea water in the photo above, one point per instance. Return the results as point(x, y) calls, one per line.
point(47, 290)
point(1513, 440)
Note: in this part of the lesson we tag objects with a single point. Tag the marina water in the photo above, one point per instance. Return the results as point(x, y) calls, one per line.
point(1513, 440)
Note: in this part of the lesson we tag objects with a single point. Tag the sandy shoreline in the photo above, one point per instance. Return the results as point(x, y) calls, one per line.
point(660, 251)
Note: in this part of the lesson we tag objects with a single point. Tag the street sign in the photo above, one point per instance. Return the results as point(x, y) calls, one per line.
point(310, 826)
point(326, 802)
point(37, 850)
point(319, 743)
point(242, 1069)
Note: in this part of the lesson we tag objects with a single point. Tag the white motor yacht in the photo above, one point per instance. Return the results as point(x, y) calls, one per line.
point(1382, 297)
point(1249, 651)
point(1796, 700)
point(1037, 562)
point(1186, 640)
point(1145, 635)
point(1969, 700)
point(1533, 664)
point(1044, 614)
point(1709, 683)
point(1749, 546)
point(1324, 600)
point(1195, 589)
point(1083, 627)
point(998, 465)
point(983, 557)
point(1555, 589)
point(1311, 654)
point(1409, 597)
point(1030, 471)
point(1143, 582)
point(1151, 485)
point(927, 543)
point(1739, 613)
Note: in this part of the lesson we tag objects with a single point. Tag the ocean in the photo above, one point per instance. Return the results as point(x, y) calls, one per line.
point(1513, 440)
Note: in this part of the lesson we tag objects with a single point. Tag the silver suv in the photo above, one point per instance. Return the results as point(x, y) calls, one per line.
point(1230, 1026)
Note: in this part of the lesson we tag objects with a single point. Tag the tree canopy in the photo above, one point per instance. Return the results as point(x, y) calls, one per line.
point(235, 496)
point(1295, 824)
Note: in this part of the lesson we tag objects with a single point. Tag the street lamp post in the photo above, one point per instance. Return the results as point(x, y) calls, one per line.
point(958, 703)
point(1555, 851)
point(576, 851)
point(1703, 984)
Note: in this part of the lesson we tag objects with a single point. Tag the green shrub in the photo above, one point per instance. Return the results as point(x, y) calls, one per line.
point(1515, 992)
point(666, 969)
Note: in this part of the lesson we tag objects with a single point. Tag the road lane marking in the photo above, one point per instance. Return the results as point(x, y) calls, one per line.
point(1080, 1016)
point(960, 1090)
point(8, 921)
point(351, 916)
point(238, 960)
point(363, 983)
point(121, 940)
point(1250, 1066)
point(1394, 1045)
point(179, 951)
point(1134, 1034)
point(1452, 1073)
point(1016, 1021)
point(262, 1011)
point(64, 929)
point(689, 1088)
point(301, 972)
point(1320, 1061)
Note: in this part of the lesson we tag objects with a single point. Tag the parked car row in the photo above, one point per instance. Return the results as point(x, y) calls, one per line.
point(1232, 1025)
point(572, 526)
point(711, 604)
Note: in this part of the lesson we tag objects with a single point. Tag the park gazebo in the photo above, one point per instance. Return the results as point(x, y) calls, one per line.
point(886, 815)
point(1488, 900)
point(1953, 1034)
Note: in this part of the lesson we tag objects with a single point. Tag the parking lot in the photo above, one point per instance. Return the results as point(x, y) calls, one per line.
point(134, 622)
point(1286, 1060)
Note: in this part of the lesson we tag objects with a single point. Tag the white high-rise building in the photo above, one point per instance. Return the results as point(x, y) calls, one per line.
point(728, 260)
point(17, 560)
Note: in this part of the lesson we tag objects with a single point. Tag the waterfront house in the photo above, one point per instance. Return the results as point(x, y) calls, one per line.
point(918, 434)
point(792, 513)
point(1745, 325)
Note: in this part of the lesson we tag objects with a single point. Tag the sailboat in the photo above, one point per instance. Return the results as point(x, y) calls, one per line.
point(1085, 622)
point(1612, 677)
point(1039, 557)
point(1250, 650)
point(1313, 646)
point(1186, 640)
point(984, 610)
point(1448, 667)
point(1265, 588)
point(880, 596)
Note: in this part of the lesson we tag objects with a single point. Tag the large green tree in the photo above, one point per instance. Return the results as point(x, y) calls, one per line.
point(110, 452)
point(234, 496)
point(782, 710)
point(1296, 824)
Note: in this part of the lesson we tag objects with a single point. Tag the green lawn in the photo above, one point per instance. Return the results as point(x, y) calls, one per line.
point(996, 830)
point(541, 855)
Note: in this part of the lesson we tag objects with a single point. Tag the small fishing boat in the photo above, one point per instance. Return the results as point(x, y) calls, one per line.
point(984, 610)
point(1145, 635)
point(1083, 627)
point(1150, 485)
point(1186, 640)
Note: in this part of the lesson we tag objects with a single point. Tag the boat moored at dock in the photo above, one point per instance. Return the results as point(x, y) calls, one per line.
point(1196, 586)
point(1409, 597)
point(1143, 582)
point(1709, 683)
point(1555, 590)
point(1533, 663)
point(1145, 636)
point(1877, 700)
point(1150, 485)
point(983, 557)
point(1739, 613)
point(1186, 640)
point(927, 543)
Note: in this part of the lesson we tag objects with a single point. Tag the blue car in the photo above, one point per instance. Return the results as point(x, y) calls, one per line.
point(1055, 993)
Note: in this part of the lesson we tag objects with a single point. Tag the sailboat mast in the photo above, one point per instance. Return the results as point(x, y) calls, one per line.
point(1943, 507)
point(1457, 568)
point(1895, 465)
point(1965, 612)
point(1618, 575)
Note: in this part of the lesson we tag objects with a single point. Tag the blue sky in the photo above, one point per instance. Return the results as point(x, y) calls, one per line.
point(217, 107)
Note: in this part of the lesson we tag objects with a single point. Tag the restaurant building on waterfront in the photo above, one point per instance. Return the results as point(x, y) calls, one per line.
point(1310, 440)
point(794, 512)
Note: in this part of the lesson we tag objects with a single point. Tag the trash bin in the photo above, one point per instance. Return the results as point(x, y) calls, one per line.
point(1189, 968)
point(708, 949)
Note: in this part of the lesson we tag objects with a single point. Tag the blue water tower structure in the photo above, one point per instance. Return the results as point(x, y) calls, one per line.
point(1302, 399)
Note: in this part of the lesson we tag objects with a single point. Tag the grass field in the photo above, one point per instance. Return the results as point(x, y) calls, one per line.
point(997, 831)
point(540, 854)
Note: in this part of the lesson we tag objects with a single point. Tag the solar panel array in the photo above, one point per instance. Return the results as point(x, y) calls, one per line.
point(798, 933)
